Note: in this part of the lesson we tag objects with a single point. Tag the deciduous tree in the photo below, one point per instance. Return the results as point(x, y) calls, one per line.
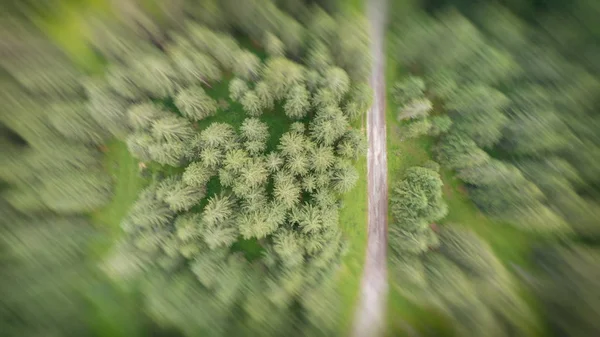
point(195, 104)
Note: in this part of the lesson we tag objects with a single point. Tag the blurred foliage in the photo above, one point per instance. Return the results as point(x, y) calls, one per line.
point(519, 83)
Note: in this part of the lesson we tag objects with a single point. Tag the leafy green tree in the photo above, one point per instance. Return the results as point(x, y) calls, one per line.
point(247, 65)
point(558, 179)
point(417, 128)
point(567, 289)
point(292, 144)
point(182, 197)
point(188, 227)
point(254, 129)
point(438, 44)
point(361, 98)
point(252, 103)
point(408, 242)
point(313, 80)
point(27, 165)
point(337, 81)
point(344, 177)
point(223, 48)
point(142, 115)
point(457, 151)
point(274, 162)
point(322, 307)
point(73, 121)
point(490, 173)
point(440, 125)
point(139, 144)
point(237, 89)
point(194, 66)
point(351, 45)
point(410, 88)
point(256, 224)
point(324, 98)
point(265, 95)
point(501, 190)
point(319, 57)
point(520, 205)
point(75, 192)
point(147, 211)
point(217, 217)
point(197, 174)
point(535, 132)
point(281, 75)
point(329, 125)
point(254, 174)
point(155, 74)
point(298, 164)
point(309, 218)
point(172, 128)
point(417, 108)
point(195, 104)
point(476, 98)
point(120, 79)
point(410, 270)
point(322, 158)
point(416, 203)
point(171, 153)
point(211, 157)
point(484, 126)
point(217, 135)
point(273, 45)
point(490, 65)
point(288, 246)
point(298, 127)
point(218, 209)
point(322, 25)
point(286, 189)
point(236, 159)
point(297, 102)
point(443, 83)
point(107, 107)
point(255, 146)
point(469, 252)
point(353, 145)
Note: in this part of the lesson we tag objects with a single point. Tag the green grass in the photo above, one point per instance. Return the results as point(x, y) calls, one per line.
point(66, 26)
point(127, 184)
point(353, 222)
point(113, 311)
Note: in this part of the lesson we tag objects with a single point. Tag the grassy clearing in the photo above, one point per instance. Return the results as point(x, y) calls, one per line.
point(113, 311)
point(127, 184)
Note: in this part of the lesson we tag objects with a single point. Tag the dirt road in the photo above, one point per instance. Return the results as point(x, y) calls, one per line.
point(370, 314)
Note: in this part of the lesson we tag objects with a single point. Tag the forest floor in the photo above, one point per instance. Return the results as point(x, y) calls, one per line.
point(370, 314)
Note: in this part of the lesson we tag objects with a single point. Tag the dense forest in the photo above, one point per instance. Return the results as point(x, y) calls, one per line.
point(508, 95)
point(182, 168)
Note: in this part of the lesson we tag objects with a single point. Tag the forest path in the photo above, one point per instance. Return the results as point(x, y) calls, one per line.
point(369, 318)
